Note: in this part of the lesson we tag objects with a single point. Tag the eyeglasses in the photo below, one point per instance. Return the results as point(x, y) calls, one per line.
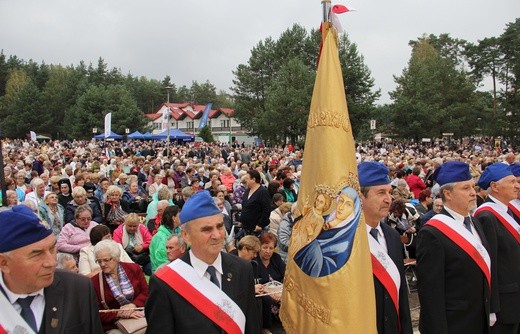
point(84, 219)
point(107, 260)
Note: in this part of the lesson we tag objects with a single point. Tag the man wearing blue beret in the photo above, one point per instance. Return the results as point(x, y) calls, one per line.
point(205, 291)
point(454, 272)
point(392, 309)
point(35, 296)
point(503, 234)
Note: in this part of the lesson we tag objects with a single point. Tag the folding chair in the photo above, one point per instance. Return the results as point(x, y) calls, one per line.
point(409, 264)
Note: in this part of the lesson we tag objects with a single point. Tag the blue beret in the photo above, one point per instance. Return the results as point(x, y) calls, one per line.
point(372, 174)
point(493, 173)
point(515, 169)
point(453, 171)
point(201, 204)
point(20, 227)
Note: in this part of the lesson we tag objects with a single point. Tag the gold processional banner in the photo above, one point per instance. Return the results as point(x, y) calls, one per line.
point(328, 286)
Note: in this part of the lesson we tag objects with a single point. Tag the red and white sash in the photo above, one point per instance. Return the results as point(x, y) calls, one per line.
point(503, 217)
point(10, 320)
point(385, 270)
point(204, 296)
point(463, 238)
point(514, 206)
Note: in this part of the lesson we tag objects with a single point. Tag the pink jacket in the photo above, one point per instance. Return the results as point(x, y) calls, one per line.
point(147, 237)
point(73, 238)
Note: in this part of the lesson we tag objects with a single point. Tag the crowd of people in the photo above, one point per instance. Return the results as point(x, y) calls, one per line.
point(122, 212)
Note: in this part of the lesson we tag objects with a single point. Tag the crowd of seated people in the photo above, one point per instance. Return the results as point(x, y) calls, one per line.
point(119, 221)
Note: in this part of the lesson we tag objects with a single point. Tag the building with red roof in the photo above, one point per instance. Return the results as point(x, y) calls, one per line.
point(187, 117)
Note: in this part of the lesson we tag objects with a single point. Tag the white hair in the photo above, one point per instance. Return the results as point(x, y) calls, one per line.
point(110, 246)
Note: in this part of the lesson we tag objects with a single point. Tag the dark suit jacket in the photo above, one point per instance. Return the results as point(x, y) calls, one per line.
point(167, 312)
point(136, 277)
point(505, 255)
point(70, 306)
point(517, 218)
point(387, 321)
point(453, 291)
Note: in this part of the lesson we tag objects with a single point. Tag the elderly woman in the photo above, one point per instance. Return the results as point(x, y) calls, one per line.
point(119, 285)
point(76, 235)
point(66, 261)
point(114, 209)
point(121, 181)
point(101, 191)
point(12, 198)
point(79, 195)
point(169, 181)
point(162, 194)
point(136, 197)
point(157, 182)
point(276, 217)
point(20, 179)
point(52, 212)
point(170, 224)
point(223, 194)
point(135, 239)
point(270, 268)
point(12, 184)
point(54, 184)
point(87, 259)
point(38, 193)
point(247, 249)
point(227, 178)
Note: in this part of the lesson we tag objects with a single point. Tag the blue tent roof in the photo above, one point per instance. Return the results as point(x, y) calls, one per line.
point(174, 134)
point(147, 135)
point(136, 135)
point(113, 135)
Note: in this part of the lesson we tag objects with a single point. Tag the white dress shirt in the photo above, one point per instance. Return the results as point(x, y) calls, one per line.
point(37, 305)
point(380, 236)
point(201, 267)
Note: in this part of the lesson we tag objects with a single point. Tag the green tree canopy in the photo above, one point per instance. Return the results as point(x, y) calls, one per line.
point(95, 103)
point(273, 90)
point(433, 97)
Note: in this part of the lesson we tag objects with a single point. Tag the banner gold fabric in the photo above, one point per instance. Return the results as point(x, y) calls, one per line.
point(328, 285)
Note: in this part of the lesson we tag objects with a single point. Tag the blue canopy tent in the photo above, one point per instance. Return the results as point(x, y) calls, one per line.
point(175, 134)
point(147, 136)
point(113, 135)
point(136, 135)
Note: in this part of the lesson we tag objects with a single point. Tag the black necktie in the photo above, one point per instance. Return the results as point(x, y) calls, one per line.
point(467, 224)
point(510, 212)
point(374, 233)
point(213, 275)
point(27, 314)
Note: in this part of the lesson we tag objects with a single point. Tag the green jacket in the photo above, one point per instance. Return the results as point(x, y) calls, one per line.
point(158, 247)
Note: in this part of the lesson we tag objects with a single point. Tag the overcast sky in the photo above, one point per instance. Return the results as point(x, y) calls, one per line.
point(207, 39)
